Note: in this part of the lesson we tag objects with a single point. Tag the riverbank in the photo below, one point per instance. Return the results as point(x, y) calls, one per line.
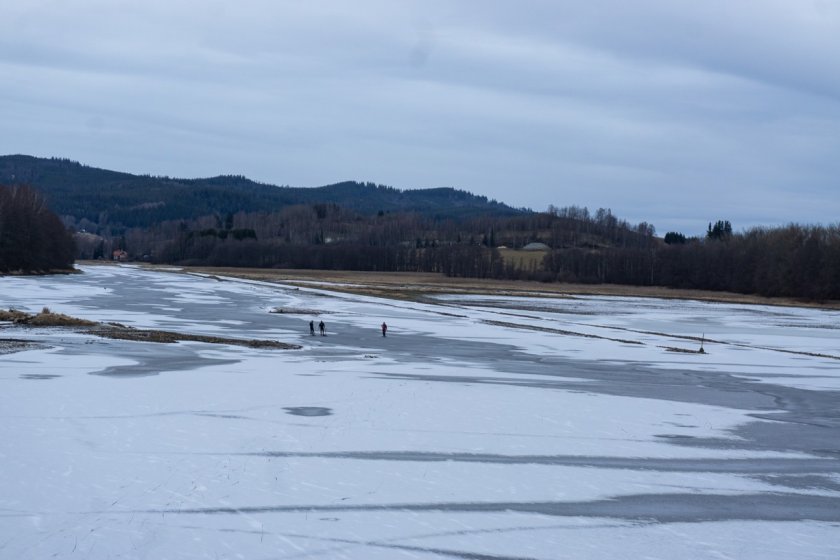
point(414, 286)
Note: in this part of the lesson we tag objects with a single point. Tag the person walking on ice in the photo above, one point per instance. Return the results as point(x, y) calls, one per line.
point(323, 328)
point(384, 328)
point(311, 328)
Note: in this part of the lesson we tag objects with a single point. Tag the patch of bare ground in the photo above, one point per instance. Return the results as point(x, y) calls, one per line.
point(415, 285)
point(166, 337)
point(683, 350)
point(11, 345)
point(117, 331)
point(294, 311)
point(49, 272)
point(45, 318)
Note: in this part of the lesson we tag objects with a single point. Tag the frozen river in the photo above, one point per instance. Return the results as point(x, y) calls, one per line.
point(481, 428)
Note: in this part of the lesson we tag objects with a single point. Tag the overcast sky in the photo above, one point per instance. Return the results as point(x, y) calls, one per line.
point(675, 113)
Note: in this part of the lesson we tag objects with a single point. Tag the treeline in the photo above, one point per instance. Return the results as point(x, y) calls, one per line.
point(32, 238)
point(328, 236)
point(586, 247)
point(793, 261)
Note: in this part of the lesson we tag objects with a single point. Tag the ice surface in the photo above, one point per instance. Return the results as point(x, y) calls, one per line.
point(480, 428)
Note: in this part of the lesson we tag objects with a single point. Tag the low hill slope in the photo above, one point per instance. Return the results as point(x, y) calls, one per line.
point(98, 195)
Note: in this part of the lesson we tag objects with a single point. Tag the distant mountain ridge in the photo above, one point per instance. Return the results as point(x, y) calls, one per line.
point(74, 189)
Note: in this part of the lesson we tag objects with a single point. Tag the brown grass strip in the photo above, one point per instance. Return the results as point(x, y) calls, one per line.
point(116, 331)
point(43, 319)
point(169, 337)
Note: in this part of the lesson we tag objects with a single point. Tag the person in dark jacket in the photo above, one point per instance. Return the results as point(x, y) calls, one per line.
point(311, 328)
point(384, 328)
point(323, 328)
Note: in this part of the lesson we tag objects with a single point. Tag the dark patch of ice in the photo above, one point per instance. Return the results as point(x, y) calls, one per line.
point(803, 482)
point(308, 410)
point(658, 508)
point(763, 465)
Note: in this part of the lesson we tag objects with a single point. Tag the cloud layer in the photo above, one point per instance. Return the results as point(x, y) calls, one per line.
point(674, 113)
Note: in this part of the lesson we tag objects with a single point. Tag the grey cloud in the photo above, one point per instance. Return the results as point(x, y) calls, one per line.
point(672, 113)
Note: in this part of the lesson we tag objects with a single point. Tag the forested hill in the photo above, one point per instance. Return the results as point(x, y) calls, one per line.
point(98, 195)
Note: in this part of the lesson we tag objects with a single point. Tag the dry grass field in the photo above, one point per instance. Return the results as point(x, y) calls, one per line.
point(414, 285)
point(525, 260)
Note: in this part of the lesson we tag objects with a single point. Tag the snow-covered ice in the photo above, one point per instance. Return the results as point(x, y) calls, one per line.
point(481, 427)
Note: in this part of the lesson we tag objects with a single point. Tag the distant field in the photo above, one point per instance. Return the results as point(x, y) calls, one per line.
point(410, 285)
point(526, 260)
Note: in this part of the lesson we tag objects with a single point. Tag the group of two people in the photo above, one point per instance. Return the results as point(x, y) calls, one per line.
point(323, 328)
